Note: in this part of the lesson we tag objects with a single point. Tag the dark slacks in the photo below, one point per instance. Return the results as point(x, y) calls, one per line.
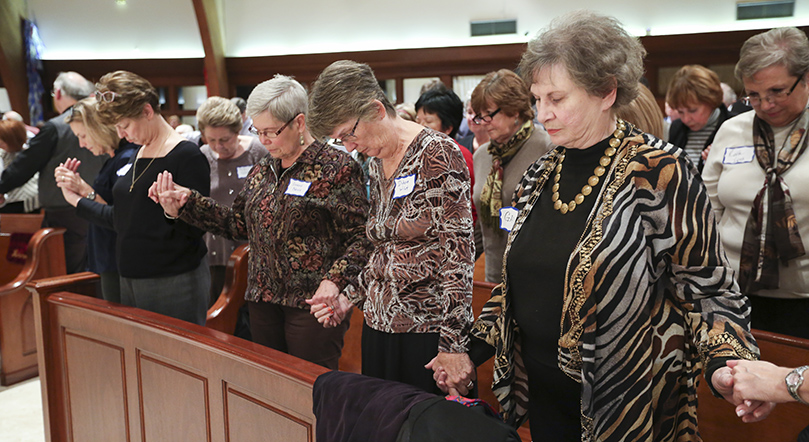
point(400, 357)
point(296, 331)
point(75, 237)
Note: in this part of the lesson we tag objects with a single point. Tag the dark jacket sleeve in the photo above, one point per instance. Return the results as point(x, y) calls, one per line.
point(30, 161)
point(97, 213)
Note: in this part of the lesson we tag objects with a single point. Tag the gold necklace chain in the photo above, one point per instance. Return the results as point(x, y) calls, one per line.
point(594, 179)
point(134, 165)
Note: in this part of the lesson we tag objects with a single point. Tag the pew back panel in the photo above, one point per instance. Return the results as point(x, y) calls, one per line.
point(45, 257)
point(717, 419)
point(111, 372)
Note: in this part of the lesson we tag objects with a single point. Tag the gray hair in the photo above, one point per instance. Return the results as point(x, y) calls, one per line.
point(73, 85)
point(283, 97)
point(780, 46)
point(240, 102)
point(345, 90)
point(595, 49)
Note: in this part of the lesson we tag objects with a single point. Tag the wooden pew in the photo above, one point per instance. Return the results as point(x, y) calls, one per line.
point(717, 419)
point(9, 224)
point(110, 372)
point(224, 313)
point(45, 257)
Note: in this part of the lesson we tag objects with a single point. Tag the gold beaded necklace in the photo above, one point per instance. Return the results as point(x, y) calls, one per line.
point(598, 172)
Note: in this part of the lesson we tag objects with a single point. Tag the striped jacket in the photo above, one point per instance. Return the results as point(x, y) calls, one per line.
point(650, 252)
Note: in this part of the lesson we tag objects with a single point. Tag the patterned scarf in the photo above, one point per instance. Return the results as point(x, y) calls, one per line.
point(491, 200)
point(771, 233)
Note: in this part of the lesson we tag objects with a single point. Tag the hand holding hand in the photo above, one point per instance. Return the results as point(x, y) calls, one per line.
point(172, 197)
point(749, 410)
point(66, 177)
point(453, 371)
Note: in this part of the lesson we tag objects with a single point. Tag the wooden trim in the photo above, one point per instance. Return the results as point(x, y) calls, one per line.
point(210, 29)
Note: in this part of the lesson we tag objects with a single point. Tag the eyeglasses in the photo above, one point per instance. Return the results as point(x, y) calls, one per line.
point(106, 96)
point(485, 118)
point(340, 141)
point(775, 96)
point(269, 134)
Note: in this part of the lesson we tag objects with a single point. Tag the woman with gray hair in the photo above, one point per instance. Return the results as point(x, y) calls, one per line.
point(416, 291)
point(755, 160)
point(302, 210)
point(601, 336)
point(231, 156)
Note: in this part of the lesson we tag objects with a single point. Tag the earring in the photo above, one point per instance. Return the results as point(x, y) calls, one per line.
point(302, 140)
point(516, 121)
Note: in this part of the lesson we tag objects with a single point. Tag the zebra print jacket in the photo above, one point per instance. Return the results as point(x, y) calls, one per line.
point(650, 300)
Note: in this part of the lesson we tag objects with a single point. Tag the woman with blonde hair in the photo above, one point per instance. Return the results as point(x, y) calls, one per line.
point(100, 139)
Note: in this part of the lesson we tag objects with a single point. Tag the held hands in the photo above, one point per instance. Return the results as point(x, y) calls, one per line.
point(328, 305)
point(750, 410)
point(172, 197)
point(759, 380)
point(454, 373)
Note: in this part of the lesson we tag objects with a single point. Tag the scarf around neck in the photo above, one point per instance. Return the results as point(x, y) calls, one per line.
point(491, 199)
point(771, 233)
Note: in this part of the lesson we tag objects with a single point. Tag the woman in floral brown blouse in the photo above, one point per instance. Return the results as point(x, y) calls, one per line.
point(303, 211)
point(416, 291)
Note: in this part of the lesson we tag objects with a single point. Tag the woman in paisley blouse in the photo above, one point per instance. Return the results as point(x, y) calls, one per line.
point(302, 210)
point(616, 290)
point(416, 291)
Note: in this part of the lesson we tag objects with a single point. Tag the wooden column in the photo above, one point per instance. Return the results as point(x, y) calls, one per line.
point(12, 60)
point(213, 42)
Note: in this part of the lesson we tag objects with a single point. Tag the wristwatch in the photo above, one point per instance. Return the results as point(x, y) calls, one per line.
point(794, 380)
point(91, 196)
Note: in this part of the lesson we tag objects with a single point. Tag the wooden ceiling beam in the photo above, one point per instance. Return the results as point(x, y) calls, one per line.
point(211, 30)
point(12, 56)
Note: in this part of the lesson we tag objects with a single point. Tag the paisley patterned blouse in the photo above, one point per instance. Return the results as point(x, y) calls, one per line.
point(419, 276)
point(650, 300)
point(304, 224)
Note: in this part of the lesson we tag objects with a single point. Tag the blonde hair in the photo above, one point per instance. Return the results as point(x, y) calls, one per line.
point(644, 113)
point(86, 112)
point(219, 112)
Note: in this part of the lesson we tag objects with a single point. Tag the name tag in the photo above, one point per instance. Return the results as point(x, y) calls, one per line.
point(122, 171)
point(242, 171)
point(508, 216)
point(739, 155)
point(404, 186)
point(297, 187)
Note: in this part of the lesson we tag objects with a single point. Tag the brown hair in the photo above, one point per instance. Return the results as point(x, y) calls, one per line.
point(644, 113)
point(694, 84)
point(506, 90)
point(131, 93)
point(345, 90)
point(12, 132)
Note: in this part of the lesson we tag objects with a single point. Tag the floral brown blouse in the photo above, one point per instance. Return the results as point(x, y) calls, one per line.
point(303, 224)
point(419, 276)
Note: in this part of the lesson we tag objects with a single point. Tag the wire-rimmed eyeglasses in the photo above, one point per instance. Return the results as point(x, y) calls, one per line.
point(774, 96)
point(272, 134)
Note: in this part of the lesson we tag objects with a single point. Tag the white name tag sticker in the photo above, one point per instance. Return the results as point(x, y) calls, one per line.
point(508, 216)
point(297, 187)
point(242, 171)
point(739, 155)
point(404, 186)
point(122, 171)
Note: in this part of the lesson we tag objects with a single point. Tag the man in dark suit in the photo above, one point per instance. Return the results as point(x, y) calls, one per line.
point(54, 144)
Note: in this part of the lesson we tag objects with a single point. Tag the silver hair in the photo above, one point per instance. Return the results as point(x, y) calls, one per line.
point(595, 49)
point(780, 46)
point(73, 85)
point(282, 96)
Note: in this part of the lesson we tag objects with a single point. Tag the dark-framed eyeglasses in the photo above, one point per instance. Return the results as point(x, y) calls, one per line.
point(478, 119)
point(106, 96)
point(341, 141)
point(775, 96)
point(270, 134)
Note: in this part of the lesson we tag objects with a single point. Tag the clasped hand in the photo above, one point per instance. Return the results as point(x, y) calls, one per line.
point(171, 196)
